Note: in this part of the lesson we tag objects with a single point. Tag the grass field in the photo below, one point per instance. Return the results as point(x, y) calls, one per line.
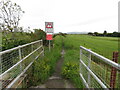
point(102, 45)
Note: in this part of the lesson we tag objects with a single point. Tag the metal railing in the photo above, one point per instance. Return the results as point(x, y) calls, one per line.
point(16, 61)
point(95, 70)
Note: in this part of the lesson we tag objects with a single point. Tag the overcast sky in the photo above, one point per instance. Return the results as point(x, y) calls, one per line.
point(70, 15)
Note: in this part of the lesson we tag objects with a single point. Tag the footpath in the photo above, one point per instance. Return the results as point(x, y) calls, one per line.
point(56, 80)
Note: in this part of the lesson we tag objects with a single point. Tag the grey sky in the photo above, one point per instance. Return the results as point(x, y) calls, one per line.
point(71, 15)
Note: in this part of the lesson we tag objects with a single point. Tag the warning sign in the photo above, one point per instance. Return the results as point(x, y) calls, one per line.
point(49, 37)
point(49, 27)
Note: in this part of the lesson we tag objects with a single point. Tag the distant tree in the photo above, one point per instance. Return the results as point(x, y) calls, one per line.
point(105, 33)
point(115, 34)
point(90, 33)
point(96, 33)
point(10, 14)
point(109, 34)
point(100, 34)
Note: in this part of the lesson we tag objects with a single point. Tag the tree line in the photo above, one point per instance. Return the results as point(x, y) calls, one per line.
point(114, 34)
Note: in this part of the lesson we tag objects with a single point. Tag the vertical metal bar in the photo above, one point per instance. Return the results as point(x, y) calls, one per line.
point(20, 57)
point(40, 43)
point(80, 59)
point(32, 49)
point(42, 47)
point(89, 63)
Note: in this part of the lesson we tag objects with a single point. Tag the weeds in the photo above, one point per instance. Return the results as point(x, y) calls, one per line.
point(44, 67)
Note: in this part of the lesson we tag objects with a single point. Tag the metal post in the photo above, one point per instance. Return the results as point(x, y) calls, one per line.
point(42, 47)
point(20, 57)
point(49, 45)
point(32, 49)
point(89, 62)
point(41, 43)
point(80, 59)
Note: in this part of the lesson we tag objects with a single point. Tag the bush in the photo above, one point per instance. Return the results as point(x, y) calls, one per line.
point(14, 39)
point(70, 69)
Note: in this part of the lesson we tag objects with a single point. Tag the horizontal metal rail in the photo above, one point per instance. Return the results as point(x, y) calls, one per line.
point(9, 50)
point(90, 67)
point(84, 81)
point(36, 48)
point(19, 62)
point(96, 78)
point(16, 79)
point(108, 61)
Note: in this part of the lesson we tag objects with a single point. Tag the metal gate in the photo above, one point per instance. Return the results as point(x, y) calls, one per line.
point(95, 70)
point(16, 61)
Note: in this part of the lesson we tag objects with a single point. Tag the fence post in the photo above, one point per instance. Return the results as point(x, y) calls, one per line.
point(32, 49)
point(80, 59)
point(20, 57)
point(43, 47)
point(89, 62)
point(113, 71)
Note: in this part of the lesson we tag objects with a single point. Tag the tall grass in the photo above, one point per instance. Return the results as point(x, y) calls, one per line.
point(44, 67)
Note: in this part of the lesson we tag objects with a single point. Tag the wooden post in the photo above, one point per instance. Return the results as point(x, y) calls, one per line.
point(113, 71)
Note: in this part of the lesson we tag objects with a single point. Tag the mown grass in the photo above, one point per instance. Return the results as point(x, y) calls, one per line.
point(102, 45)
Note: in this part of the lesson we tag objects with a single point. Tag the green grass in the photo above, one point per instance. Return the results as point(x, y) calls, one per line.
point(102, 45)
point(44, 67)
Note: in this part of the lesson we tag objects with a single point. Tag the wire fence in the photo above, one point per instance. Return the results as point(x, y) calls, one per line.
point(16, 61)
point(96, 71)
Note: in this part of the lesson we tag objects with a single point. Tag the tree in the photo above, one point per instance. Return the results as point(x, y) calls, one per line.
point(105, 33)
point(90, 33)
point(39, 34)
point(10, 14)
point(96, 33)
point(115, 34)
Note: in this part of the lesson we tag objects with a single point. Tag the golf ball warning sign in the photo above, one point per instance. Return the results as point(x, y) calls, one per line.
point(49, 27)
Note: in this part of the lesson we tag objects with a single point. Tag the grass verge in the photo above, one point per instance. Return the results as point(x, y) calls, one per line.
point(44, 67)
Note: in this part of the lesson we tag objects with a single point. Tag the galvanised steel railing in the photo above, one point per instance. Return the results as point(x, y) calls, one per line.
point(16, 61)
point(95, 70)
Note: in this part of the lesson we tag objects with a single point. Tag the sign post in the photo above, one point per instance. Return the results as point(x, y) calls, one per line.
point(49, 45)
point(49, 31)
